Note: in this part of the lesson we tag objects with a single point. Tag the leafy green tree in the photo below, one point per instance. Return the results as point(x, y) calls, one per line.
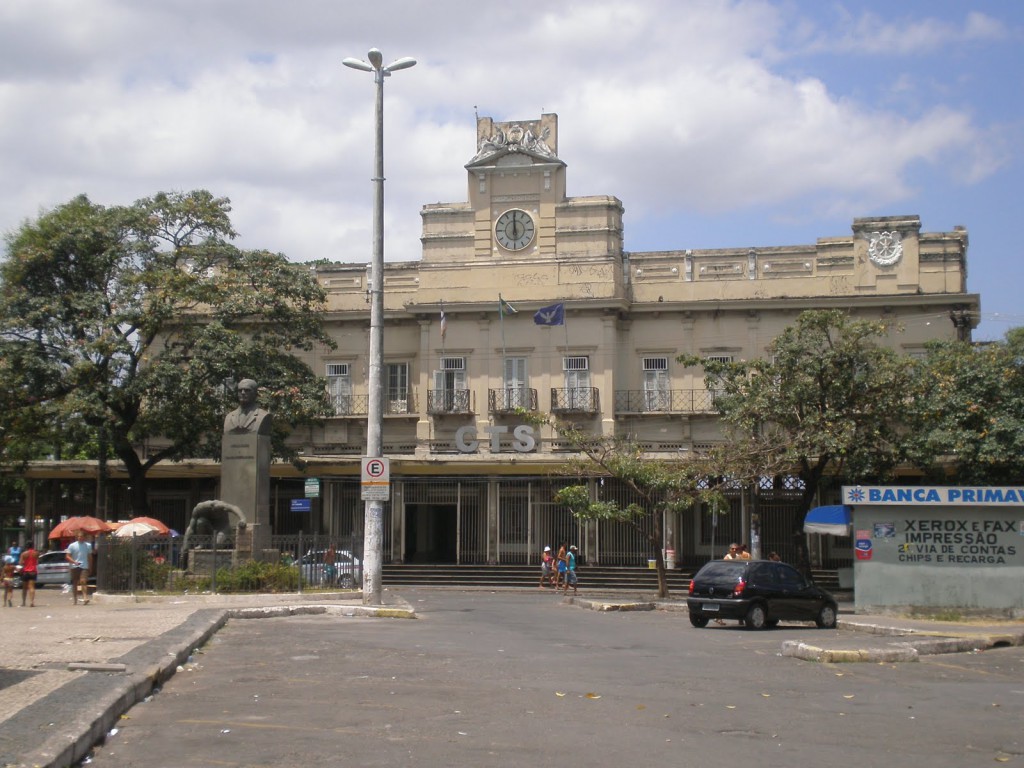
point(126, 325)
point(659, 487)
point(967, 412)
point(825, 400)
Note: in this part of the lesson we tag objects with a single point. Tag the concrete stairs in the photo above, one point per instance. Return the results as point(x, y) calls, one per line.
point(527, 576)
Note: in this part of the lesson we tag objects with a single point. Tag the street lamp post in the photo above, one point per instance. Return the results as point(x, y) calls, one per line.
point(373, 521)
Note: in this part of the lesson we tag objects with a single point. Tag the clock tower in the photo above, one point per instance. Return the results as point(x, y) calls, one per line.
point(517, 209)
point(515, 183)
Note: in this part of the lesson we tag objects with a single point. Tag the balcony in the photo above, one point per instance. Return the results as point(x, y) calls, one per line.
point(449, 401)
point(511, 400)
point(666, 401)
point(575, 400)
point(396, 403)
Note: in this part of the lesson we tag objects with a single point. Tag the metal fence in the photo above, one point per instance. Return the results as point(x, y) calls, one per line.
point(158, 563)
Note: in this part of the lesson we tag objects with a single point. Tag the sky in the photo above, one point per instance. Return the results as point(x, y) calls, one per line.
point(718, 123)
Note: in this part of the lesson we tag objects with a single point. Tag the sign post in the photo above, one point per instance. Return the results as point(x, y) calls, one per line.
point(376, 479)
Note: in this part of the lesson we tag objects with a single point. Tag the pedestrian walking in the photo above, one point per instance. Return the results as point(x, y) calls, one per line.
point(79, 554)
point(546, 571)
point(29, 572)
point(561, 563)
point(570, 571)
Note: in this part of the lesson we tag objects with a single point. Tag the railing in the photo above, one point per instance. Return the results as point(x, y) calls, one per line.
point(396, 402)
point(666, 401)
point(449, 401)
point(575, 400)
point(511, 399)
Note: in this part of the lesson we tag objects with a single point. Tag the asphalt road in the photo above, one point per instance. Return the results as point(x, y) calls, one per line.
point(519, 679)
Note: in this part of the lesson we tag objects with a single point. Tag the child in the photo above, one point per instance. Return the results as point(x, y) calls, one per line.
point(7, 576)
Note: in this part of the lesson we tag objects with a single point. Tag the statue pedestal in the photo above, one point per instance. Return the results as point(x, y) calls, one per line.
point(245, 482)
point(205, 561)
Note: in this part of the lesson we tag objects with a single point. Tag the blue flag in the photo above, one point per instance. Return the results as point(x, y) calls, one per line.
point(553, 315)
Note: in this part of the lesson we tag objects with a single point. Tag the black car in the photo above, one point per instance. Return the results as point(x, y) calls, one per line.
point(760, 593)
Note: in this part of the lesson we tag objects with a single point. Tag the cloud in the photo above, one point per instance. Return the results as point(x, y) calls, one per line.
point(667, 105)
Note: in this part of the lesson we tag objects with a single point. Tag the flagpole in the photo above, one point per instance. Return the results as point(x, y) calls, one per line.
point(443, 330)
point(501, 320)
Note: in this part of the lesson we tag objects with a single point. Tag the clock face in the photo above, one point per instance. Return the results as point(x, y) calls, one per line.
point(514, 229)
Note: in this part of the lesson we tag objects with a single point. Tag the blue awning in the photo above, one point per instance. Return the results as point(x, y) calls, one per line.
point(834, 520)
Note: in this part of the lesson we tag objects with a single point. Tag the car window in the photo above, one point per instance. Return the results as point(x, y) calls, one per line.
point(790, 577)
point(763, 574)
point(49, 558)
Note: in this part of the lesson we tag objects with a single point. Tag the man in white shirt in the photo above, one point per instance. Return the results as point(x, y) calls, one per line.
point(79, 554)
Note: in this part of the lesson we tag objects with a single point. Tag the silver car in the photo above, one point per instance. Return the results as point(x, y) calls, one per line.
point(346, 571)
point(54, 568)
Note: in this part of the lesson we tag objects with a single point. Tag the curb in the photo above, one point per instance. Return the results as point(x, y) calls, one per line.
point(918, 643)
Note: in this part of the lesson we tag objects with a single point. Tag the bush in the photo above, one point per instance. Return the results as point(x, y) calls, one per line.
point(256, 576)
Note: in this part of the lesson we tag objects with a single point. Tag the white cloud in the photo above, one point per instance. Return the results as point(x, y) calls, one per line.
point(670, 106)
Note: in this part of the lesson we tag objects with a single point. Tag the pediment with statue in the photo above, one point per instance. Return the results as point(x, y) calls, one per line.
point(533, 139)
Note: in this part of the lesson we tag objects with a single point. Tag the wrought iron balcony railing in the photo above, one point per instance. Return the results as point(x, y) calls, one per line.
point(440, 401)
point(511, 399)
point(396, 402)
point(666, 401)
point(575, 400)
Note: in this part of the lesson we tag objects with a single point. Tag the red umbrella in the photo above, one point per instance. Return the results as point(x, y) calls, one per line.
point(70, 527)
point(161, 528)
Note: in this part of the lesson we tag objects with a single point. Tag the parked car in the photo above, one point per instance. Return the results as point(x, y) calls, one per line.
point(346, 571)
point(54, 568)
point(760, 593)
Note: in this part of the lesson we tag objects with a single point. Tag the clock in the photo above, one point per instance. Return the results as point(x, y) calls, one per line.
point(514, 229)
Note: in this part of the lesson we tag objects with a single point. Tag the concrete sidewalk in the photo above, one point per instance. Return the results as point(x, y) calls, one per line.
point(68, 672)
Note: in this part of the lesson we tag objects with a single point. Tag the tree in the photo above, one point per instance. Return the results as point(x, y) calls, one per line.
point(660, 486)
point(128, 324)
point(967, 412)
point(825, 399)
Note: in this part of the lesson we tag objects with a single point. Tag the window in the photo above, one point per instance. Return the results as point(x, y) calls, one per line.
point(578, 393)
point(339, 387)
point(515, 394)
point(656, 390)
point(397, 396)
point(450, 391)
point(719, 358)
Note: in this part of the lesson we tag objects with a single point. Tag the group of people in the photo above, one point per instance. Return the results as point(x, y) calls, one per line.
point(23, 564)
point(742, 552)
point(738, 552)
point(559, 570)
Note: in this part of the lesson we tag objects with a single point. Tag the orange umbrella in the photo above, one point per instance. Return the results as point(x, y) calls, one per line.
point(70, 527)
point(161, 528)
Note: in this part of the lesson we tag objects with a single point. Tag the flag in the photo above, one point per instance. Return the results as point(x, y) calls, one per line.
point(504, 308)
point(553, 315)
point(444, 324)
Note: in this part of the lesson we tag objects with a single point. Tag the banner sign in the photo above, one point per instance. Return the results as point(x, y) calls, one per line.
point(873, 495)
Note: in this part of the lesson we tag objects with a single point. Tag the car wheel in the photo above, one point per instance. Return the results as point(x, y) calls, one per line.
point(826, 618)
point(757, 617)
point(698, 621)
point(347, 582)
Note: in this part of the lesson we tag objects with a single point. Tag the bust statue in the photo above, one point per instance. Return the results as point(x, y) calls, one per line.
point(247, 417)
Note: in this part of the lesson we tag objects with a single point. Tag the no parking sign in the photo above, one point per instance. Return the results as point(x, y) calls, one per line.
point(376, 479)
